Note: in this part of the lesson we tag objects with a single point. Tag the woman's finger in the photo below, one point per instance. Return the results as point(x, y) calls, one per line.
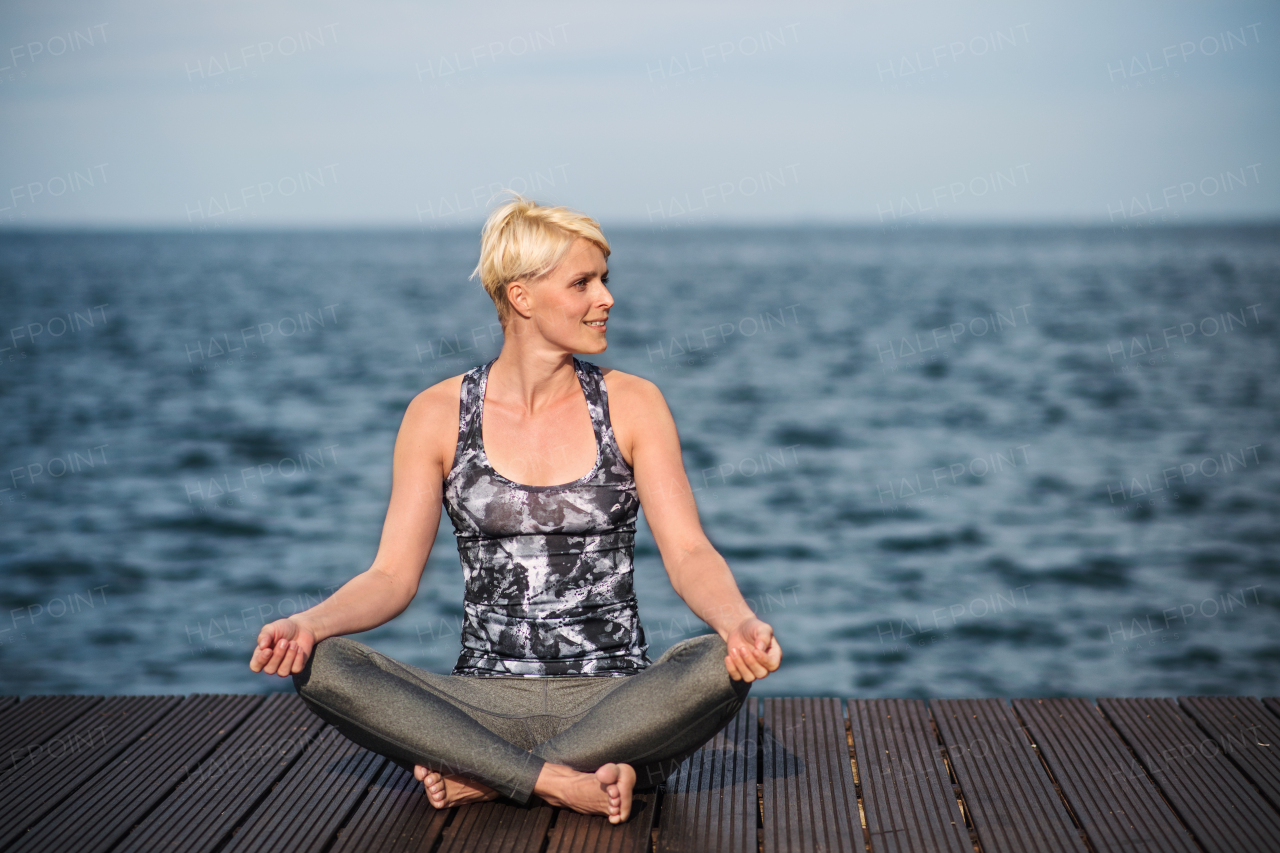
point(286, 665)
point(736, 672)
point(769, 658)
point(746, 652)
point(277, 655)
point(753, 659)
point(263, 651)
point(774, 656)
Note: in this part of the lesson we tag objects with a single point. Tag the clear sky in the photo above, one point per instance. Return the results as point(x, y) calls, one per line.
point(225, 114)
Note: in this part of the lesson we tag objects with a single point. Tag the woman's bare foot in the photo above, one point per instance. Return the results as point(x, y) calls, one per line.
point(605, 792)
point(447, 791)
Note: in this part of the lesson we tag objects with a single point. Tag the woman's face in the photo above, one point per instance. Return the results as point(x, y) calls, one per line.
point(569, 305)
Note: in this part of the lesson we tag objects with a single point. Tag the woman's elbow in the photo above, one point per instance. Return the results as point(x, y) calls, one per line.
point(398, 585)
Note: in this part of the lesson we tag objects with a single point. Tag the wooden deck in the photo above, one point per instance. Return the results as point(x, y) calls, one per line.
point(253, 773)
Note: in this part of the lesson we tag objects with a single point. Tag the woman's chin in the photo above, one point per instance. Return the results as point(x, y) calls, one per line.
point(590, 347)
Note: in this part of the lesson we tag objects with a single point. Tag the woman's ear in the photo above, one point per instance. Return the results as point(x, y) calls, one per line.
point(518, 298)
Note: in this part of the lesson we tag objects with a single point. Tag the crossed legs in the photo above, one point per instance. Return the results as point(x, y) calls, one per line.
point(507, 733)
point(657, 718)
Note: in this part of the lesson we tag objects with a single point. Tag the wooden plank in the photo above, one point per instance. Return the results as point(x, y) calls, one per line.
point(107, 806)
point(1247, 734)
point(576, 833)
point(313, 800)
point(25, 727)
point(907, 795)
point(1011, 800)
point(1111, 796)
point(1218, 804)
point(1272, 703)
point(44, 779)
point(395, 817)
point(810, 803)
point(6, 701)
point(223, 788)
point(710, 801)
point(498, 827)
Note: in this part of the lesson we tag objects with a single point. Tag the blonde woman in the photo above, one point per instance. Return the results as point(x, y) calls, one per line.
point(542, 462)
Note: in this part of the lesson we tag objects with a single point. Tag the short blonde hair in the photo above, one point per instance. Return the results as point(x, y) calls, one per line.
point(522, 240)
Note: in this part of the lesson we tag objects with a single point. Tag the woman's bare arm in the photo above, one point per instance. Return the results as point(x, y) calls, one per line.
point(382, 592)
point(698, 573)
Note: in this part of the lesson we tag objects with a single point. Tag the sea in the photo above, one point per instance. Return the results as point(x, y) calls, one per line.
point(941, 461)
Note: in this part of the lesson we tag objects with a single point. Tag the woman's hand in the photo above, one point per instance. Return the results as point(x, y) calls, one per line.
point(283, 648)
point(753, 650)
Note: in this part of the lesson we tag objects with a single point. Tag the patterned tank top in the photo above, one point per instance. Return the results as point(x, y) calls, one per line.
point(547, 569)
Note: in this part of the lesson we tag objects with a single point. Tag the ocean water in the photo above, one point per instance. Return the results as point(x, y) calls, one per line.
point(941, 462)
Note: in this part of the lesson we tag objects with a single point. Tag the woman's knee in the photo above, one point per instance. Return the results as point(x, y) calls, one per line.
point(705, 653)
point(329, 666)
point(696, 649)
point(701, 659)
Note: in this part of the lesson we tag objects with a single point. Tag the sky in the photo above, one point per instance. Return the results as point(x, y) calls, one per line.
point(197, 115)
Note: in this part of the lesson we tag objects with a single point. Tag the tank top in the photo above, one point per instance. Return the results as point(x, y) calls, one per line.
point(547, 569)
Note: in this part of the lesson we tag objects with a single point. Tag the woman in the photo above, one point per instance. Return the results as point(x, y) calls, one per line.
point(553, 693)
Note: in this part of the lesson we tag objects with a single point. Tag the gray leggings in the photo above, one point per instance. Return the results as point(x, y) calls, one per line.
point(500, 730)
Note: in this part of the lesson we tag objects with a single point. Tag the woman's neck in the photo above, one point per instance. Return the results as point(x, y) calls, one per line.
point(532, 380)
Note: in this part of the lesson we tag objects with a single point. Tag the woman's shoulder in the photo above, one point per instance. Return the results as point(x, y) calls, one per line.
point(437, 403)
point(441, 391)
point(618, 383)
point(631, 396)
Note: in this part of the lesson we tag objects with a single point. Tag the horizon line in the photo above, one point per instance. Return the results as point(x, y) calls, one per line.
point(1270, 220)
